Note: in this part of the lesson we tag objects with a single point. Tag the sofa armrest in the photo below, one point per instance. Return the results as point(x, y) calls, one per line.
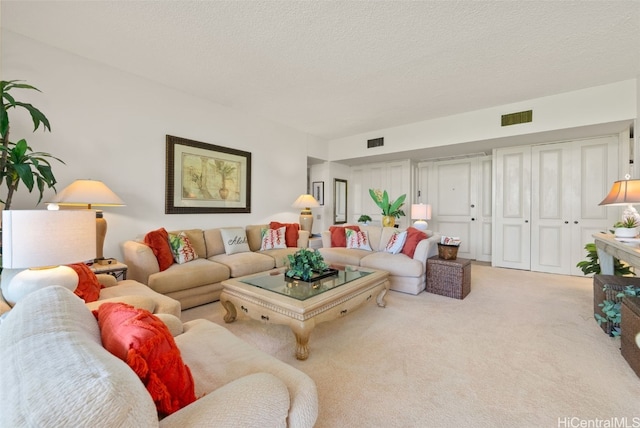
point(259, 399)
point(303, 238)
point(106, 280)
point(140, 260)
point(427, 248)
point(326, 239)
point(140, 302)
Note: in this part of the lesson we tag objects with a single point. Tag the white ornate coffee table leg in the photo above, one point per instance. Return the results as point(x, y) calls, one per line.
point(231, 314)
point(302, 331)
point(383, 293)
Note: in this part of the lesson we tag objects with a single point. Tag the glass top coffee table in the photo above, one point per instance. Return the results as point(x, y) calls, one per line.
point(271, 297)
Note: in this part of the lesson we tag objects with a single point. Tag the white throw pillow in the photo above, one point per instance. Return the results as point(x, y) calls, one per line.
point(273, 238)
point(357, 239)
point(235, 240)
point(396, 242)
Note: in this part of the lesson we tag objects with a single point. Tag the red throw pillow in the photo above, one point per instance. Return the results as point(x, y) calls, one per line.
point(144, 342)
point(290, 233)
point(158, 241)
point(338, 236)
point(414, 236)
point(88, 285)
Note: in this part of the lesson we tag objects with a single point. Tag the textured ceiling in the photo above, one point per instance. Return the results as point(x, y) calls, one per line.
point(334, 69)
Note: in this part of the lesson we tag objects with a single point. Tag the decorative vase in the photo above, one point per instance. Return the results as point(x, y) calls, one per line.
point(388, 220)
point(224, 193)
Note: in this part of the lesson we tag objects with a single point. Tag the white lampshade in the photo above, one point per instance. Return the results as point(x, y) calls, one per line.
point(89, 193)
point(306, 202)
point(421, 212)
point(40, 241)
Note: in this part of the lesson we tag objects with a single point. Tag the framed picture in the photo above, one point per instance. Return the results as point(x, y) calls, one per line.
point(205, 178)
point(318, 191)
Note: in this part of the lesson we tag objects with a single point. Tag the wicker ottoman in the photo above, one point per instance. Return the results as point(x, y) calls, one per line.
point(615, 284)
point(451, 278)
point(630, 337)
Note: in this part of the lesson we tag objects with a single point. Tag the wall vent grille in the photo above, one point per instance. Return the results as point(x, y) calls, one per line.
point(376, 142)
point(517, 118)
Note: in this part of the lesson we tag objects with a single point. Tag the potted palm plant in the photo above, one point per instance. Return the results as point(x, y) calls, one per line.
point(18, 162)
point(390, 210)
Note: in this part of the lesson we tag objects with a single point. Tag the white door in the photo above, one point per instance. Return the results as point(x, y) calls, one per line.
point(512, 214)
point(552, 199)
point(454, 201)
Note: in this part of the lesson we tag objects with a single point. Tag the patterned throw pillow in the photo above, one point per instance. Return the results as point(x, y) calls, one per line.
point(181, 248)
point(357, 239)
point(290, 234)
point(396, 242)
point(273, 238)
point(235, 240)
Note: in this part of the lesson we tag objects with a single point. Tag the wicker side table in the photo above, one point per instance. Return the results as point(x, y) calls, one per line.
point(630, 337)
point(451, 278)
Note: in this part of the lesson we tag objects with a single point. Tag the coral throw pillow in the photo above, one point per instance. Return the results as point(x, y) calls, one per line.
point(357, 239)
point(396, 242)
point(338, 235)
point(414, 236)
point(290, 234)
point(273, 238)
point(88, 285)
point(181, 248)
point(158, 241)
point(144, 342)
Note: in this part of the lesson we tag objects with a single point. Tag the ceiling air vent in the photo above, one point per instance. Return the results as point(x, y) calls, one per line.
point(516, 118)
point(376, 142)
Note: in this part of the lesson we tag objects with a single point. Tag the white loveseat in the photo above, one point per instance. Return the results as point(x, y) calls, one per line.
point(55, 373)
point(406, 274)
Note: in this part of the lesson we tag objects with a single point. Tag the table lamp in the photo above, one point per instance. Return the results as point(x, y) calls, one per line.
point(89, 193)
point(35, 243)
point(306, 202)
point(625, 192)
point(421, 212)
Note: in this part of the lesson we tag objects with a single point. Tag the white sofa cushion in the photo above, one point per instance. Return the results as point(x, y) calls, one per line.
point(56, 373)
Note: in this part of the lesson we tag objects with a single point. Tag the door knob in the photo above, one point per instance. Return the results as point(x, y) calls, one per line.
point(473, 219)
point(473, 206)
point(575, 222)
point(526, 221)
point(566, 222)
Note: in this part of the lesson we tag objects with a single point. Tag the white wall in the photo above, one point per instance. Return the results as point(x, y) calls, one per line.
point(109, 125)
point(598, 105)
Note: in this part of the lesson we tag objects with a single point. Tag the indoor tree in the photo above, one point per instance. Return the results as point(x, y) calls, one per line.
point(18, 161)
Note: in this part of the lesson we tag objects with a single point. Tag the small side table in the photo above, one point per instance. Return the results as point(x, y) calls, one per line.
point(116, 269)
point(451, 278)
point(630, 337)
point(315, 242)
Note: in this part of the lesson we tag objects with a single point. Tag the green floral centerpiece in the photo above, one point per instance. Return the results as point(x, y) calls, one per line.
point(390, 210)
point(304, 263)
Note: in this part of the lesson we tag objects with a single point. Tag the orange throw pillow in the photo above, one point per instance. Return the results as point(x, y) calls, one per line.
point(414, 236)
point(290, 233)
point(338, 235)
point(88, 285)
point(158, 241)
point(144, 342)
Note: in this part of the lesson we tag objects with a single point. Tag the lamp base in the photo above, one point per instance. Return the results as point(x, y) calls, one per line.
point(306, 221)
point(18, 283)
point(421, 225)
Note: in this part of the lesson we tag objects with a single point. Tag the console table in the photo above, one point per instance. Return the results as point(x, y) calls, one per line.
point(608, 247)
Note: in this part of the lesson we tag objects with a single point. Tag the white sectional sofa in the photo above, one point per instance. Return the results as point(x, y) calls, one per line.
point(56, 373)
point(199, 281)
point(406, 274)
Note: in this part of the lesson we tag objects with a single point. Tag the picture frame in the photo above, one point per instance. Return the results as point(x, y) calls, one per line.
point(204, 178)
point(318, 191)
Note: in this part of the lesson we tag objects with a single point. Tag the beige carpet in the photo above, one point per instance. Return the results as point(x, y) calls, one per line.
point(522, 349)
